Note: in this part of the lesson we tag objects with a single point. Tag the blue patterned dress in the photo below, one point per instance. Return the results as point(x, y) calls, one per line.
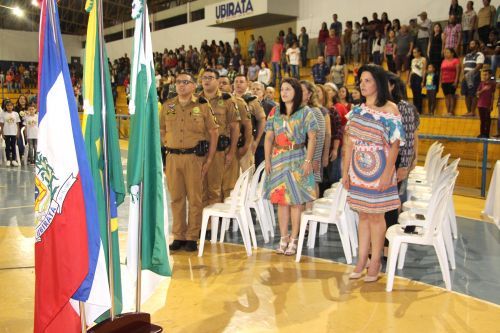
point(287, 185)
point(372, 132)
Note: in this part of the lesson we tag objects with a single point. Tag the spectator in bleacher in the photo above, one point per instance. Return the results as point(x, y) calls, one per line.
point(404, 47)
point(236, 46)
point(485, 102)
point(235, 60)
point(333, 47)
point(492, 50)
point(356, 97)
point(264, 76)
point(290, 37)
point(472, 64)
point(452, 34)
point(253, 70)
point(356, 42)
point(231, 73)
point(322, 36)
point(242, 68)
point(390, 51)
point(320, 70)
point(431, 87)
point(416, 77)
point(281, 36)
point(378, 46)
point(396, 26)
point(347, 41)
point(485, 20)
point(336, 25)
point(385, 23)
point(260, 49)
point(276, 52)
point(270, 91)
point(424, 31)
point(456, 10)
point(2, 80)
point(375, 25)
point(17, 82)
point(284, 60)
point(435, 48)
point(449, 75)
point(345, 98)
point(303, 45)
point(338, 72)
point(469, 21)
point(293, 59)
point(251, 46)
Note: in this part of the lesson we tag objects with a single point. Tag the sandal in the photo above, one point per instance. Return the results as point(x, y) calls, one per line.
point(292, 247)
point(283, 245)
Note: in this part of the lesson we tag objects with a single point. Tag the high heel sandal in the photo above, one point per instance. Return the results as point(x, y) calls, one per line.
point(283, 245)
point(373, 278)
point(292, 247)
point(355, 275)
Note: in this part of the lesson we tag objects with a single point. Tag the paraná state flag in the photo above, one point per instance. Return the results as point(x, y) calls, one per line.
point(144, 164)
point(67, 244)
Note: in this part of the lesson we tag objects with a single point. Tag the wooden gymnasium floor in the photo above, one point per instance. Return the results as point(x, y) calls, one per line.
point(225, 291)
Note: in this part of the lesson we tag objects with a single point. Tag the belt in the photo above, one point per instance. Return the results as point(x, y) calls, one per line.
point(181, 151)
point(290, 147)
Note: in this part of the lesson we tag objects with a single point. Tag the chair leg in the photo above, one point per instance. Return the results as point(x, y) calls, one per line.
point(224, 228)
point(392, 258)
point(214, 220)
point(204, 224)
point(402, 255)
point(251, 227)
point(272, 218)
point(350, 221)
point(311, 239)
point(453, 218)
point(302, 235)
point(344, 239)
point(263, 220)
point(323, 228)
point(443, 260)
point(241, 221)
point(448, 242)
point(235, 227)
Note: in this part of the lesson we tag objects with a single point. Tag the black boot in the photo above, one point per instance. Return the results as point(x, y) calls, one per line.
point(190, 246)
point(177, 245)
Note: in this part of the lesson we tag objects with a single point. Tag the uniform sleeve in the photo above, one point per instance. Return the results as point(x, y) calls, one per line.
point(257, 110)
point(210, 122)
point(162, 118)
point(270, 121)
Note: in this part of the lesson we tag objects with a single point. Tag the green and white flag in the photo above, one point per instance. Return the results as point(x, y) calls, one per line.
point(145, 164)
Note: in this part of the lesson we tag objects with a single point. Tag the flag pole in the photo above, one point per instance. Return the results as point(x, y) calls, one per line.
point(141, 192)
point(106, 170)
point(82, 317)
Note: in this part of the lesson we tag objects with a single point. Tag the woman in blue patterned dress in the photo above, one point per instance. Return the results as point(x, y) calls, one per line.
point(290, 182)
point(373, 135)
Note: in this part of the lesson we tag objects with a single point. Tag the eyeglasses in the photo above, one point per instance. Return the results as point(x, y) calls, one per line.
point(208, 78)
point(184, 82)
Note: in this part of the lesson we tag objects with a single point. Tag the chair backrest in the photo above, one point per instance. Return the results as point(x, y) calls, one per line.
point(252, 188)
point(245, 186)
point(338, 201)
point(429, 154)
point(438, 169)
point(240, 189)
point(434, 158)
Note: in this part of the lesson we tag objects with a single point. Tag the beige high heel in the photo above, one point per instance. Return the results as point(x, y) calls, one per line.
point(283, 245)
point(292, 247)
point(373, 278)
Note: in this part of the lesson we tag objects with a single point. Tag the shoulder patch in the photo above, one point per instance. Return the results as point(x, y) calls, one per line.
point(226, 96)
point(248, 98)
point(202, 100)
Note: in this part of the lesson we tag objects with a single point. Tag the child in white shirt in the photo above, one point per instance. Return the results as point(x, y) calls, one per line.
point(9, 123)
point(31, 122)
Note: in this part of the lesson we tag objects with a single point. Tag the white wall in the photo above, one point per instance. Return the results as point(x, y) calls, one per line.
point(187, 34)
point(23, 46)
point(314, 12)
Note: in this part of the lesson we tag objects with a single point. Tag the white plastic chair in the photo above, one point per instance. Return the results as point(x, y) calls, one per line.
point(330, 216)
point(433, 173)
point(409, 217)
point(428, 158)
point(3, 155)
point(233, 210)
point(26, 146)
point(256, 201)
point(430, 234)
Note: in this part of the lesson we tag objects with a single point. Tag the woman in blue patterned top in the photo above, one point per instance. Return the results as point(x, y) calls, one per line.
point(373, 135)
point(290, 182)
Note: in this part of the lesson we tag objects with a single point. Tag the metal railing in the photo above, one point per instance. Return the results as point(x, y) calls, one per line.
point(484, 141)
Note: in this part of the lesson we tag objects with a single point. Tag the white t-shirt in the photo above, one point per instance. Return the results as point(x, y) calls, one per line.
point(293, 55)
point(10, 121)
point(158, 79)
point(468, 20)
point(31, 123)
point(264, 76)
point(424, 33)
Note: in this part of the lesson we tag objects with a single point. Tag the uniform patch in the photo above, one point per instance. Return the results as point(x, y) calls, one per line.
point(220, 102)
point(196, 110)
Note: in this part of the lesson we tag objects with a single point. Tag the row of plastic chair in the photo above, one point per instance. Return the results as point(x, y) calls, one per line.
point(246, 195)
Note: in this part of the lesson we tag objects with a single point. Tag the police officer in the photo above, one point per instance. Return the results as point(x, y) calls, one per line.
point(189, 131)
point(258, 117)
point(228, 119)
point(232, 172)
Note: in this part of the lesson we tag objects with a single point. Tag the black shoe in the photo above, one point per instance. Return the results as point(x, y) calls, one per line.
point(177, 245)
point(190, 246)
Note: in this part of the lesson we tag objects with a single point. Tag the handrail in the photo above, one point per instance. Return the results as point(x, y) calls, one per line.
point(484, 141)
